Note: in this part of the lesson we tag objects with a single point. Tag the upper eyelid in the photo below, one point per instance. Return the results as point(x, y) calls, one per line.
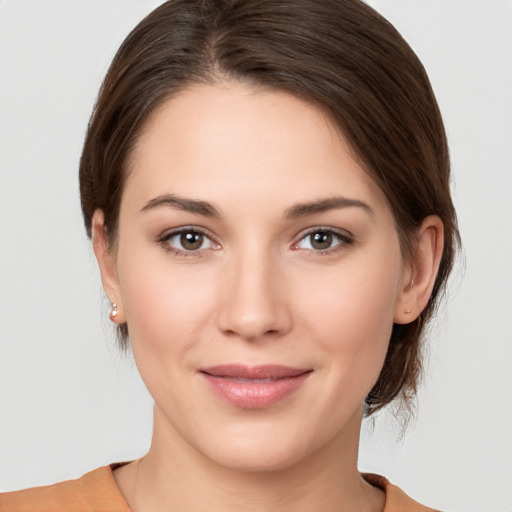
point(169, 233)
point(329, 229)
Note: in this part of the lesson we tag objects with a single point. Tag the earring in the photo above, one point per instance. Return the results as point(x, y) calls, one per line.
point(113, 311)
point(407, 311)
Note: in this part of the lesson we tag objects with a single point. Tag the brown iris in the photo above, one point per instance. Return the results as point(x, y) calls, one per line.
point(191, 240)
point(321, 240)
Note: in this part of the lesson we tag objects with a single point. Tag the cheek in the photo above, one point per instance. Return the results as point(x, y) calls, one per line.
point(350, 315)
point(168, 312)
point(165, 305)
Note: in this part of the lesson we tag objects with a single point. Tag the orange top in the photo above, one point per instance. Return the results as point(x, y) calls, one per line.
point(97, 492)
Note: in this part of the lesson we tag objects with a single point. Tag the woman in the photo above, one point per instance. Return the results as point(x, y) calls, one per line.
point(266, 186)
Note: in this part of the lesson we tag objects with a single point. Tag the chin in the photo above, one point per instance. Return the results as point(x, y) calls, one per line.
point(258, 460)
point(259, 450)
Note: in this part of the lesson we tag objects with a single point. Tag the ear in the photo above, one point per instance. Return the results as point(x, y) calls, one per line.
point(105, 256)
point(421, 274)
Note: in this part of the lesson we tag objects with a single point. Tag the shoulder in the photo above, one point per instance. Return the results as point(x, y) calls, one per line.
point(97, 491)
point(396, 499)
point(94, 492)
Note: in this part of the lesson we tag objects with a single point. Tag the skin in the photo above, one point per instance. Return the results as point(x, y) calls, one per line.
point(257, 291)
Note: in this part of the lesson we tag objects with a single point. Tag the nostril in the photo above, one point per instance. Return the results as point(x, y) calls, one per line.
point(252, 304)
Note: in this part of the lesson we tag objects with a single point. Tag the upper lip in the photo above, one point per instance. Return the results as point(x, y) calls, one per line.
point(239, 371)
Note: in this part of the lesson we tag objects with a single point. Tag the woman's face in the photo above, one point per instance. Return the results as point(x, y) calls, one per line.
point(259, 271)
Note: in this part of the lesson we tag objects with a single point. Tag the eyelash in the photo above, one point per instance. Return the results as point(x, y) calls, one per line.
point(345, 239)
point(163, 240)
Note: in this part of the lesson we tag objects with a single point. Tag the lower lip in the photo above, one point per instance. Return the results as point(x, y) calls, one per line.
point(254, 395)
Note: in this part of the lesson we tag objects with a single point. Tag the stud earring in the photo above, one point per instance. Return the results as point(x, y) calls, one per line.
point(407, 311)
point(113, 311)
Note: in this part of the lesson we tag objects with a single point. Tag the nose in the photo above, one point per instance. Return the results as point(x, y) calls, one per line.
point(254, 305)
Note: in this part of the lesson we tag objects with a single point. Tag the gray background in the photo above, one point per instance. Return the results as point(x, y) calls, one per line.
point(70, 402)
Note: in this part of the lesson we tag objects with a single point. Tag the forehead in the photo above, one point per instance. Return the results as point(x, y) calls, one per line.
point(232, 140)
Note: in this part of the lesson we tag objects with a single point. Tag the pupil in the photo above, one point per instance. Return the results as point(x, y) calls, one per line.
point(321, 240)
point(191, 241)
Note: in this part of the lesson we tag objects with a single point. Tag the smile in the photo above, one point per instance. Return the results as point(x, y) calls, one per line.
point(254, 387)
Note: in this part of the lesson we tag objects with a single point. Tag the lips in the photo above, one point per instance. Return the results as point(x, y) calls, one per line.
point(254, 387)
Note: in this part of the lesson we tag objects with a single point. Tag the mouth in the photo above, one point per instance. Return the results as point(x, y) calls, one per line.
point(254, 387)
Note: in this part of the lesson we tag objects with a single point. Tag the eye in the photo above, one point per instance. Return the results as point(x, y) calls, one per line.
point(187, 240)
point(324, 240)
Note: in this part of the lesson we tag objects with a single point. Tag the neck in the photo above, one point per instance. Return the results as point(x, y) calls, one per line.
point(175, 476)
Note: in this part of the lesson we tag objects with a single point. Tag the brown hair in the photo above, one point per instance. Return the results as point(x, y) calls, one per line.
point(338, 54)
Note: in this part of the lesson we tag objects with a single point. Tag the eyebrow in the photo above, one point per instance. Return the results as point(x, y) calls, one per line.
point(182, 203)
point(324, 205)
point(296, 211)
